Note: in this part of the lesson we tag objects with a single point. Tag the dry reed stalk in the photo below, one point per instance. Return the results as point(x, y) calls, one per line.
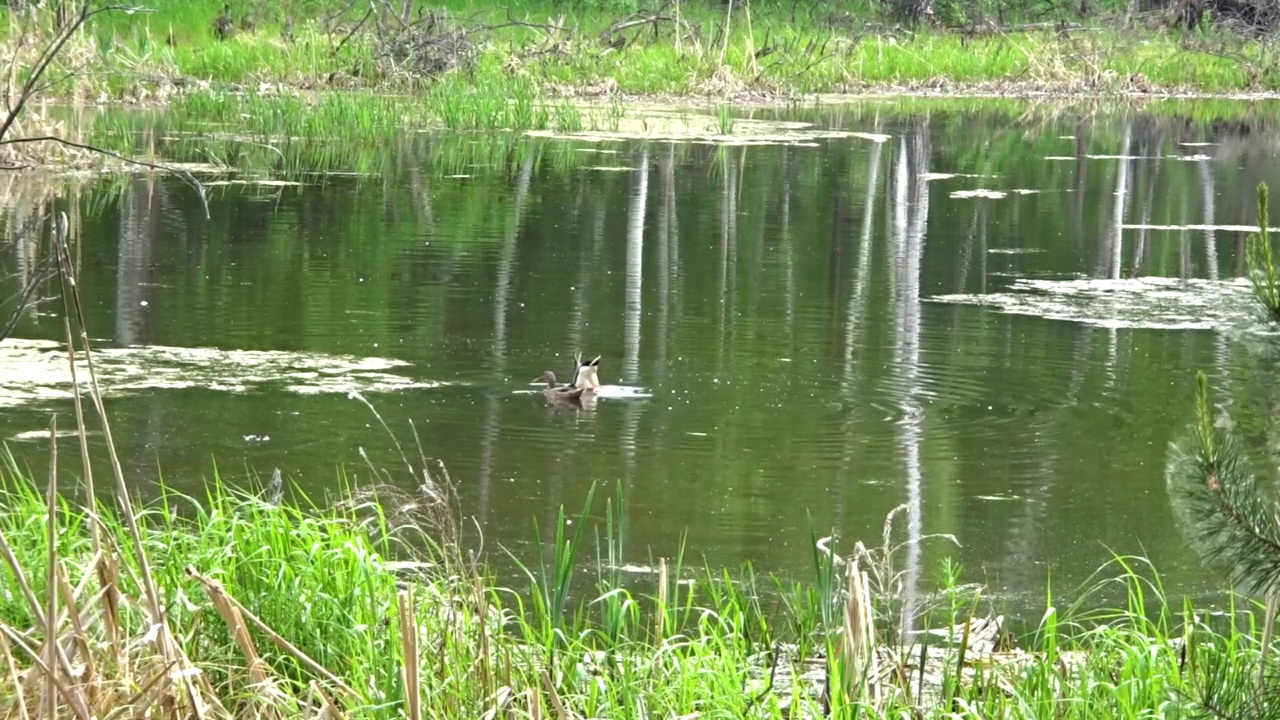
point(481, 601)
point(51, 582)
point(535, 704)
point(213, 587)
point(13, 676)
point(659, 630)
point(409, 640)
point(561, 712)
point(857, 647)
point(260, 675)
point(158, 620)
point(329, 710)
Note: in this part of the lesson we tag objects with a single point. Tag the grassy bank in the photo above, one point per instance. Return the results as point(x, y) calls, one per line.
point(675, 50)
point(365, 605)
point(338, 71)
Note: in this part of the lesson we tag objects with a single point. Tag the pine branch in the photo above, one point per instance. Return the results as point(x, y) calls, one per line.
point(1263, 275)
point(1219, 505)
point(1223, 688)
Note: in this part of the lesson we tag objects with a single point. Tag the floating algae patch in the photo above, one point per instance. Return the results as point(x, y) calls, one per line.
point(682, 126)
point(35, 370)
point(36, 435)
point(1148, 302)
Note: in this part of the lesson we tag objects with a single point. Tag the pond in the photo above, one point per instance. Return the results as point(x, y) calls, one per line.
point(990, 313)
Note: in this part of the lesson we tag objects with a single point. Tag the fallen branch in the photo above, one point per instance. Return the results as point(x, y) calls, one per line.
point(185, 176)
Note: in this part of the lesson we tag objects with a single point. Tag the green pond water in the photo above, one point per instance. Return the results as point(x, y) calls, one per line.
point(823, 325)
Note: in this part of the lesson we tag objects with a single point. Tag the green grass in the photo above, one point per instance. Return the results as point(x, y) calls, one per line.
point(516, 69)
point(330, 578)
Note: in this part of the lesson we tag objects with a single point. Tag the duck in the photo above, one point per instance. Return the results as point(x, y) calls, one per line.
point(586, 373)
point(563, 393)
point(223, 25)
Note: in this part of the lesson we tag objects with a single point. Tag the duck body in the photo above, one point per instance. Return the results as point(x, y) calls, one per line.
point(223, 25)
point(586, 373)
point(562, 393)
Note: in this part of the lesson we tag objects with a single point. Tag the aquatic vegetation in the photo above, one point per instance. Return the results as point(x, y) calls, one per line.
point(724, 120)
point(1146, 302)
point(30, 372)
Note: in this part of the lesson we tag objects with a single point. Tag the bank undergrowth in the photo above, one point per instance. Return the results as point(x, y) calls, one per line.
point(481, 66)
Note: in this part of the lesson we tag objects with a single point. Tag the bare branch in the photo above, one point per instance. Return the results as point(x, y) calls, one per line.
point(184, 175)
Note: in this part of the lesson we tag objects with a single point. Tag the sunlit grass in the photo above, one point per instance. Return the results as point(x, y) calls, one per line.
point(327, 579)
point(782, 53)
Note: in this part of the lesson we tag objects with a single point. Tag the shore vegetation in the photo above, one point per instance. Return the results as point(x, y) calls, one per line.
point(530, 65)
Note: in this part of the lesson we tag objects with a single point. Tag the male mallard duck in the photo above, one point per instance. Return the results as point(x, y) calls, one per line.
point(564, 393)
point(586, 373)
point(223, 25)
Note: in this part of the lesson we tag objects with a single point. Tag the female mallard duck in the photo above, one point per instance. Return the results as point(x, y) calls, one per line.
point(586, 372)
point(223, 25)
point(564, 393)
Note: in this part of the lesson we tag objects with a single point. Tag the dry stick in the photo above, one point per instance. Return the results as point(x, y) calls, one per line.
point(163, 638)
point(50, 52)
point(213, 586)
point(183, 175)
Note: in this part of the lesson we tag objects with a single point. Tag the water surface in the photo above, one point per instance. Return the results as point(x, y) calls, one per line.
point(825, 328)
